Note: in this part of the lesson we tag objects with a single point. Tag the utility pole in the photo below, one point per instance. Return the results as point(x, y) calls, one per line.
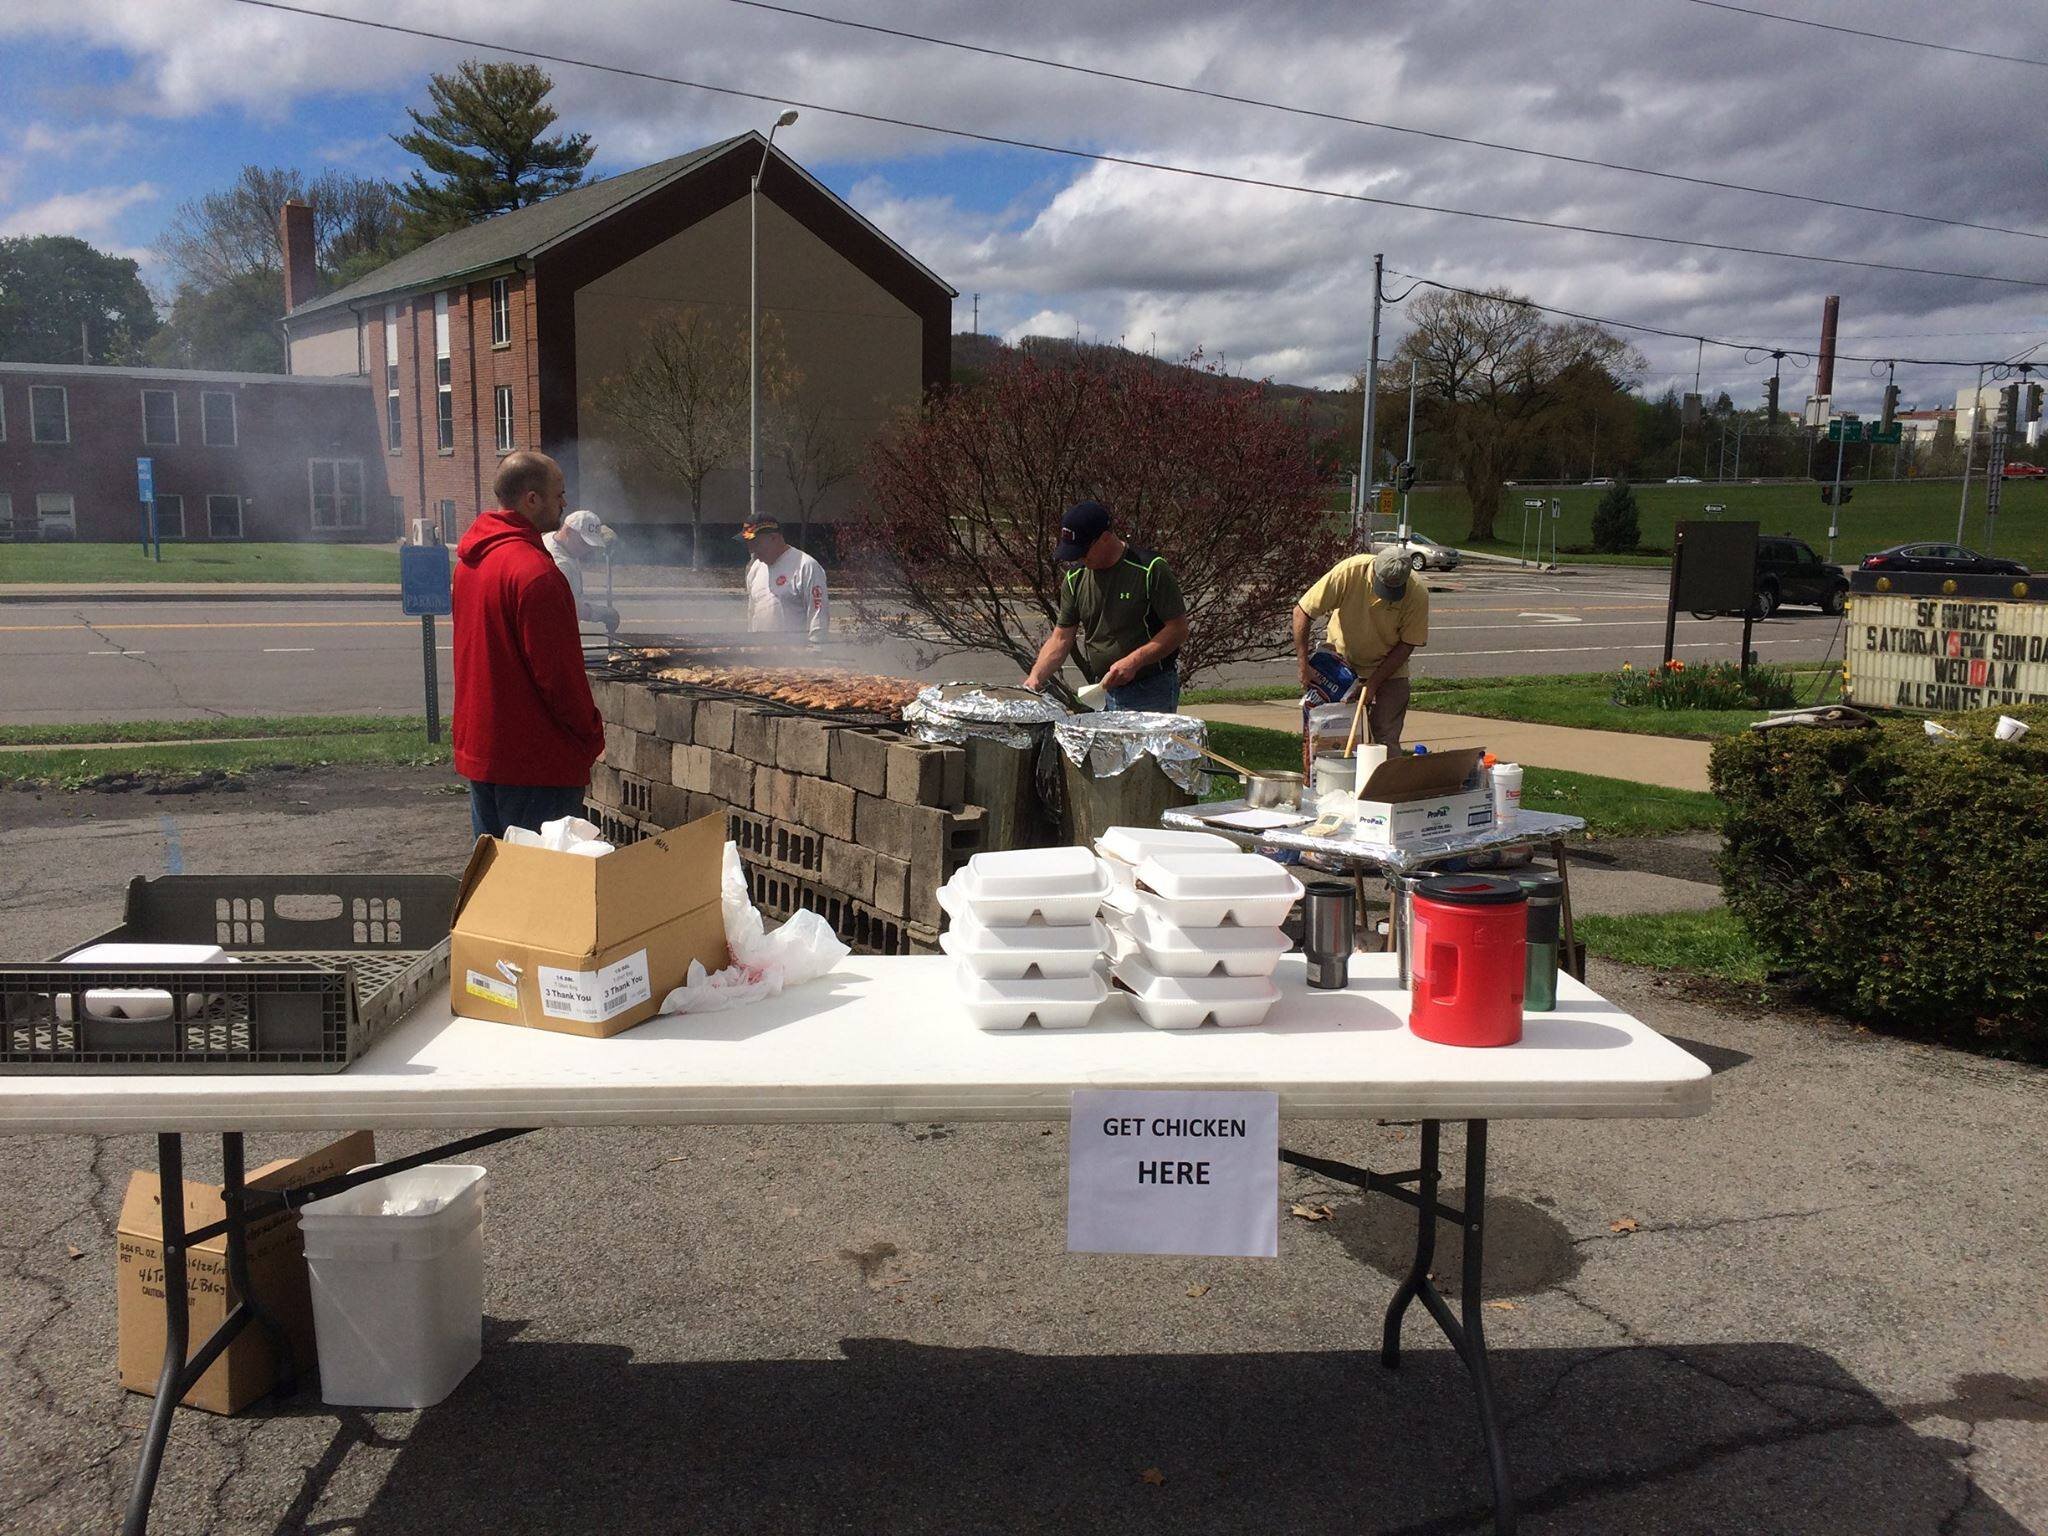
point(1409, 456)
point(977, 314)
point(1835, 511)
point(1970, 452)
point(1372, 389)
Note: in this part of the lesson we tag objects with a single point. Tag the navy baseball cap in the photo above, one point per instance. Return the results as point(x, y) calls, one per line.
point(1085, 522)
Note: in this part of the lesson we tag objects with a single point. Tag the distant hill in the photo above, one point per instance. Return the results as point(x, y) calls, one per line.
point(976, 354)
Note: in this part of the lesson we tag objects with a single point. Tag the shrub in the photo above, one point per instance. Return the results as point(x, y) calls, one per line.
point(1616, 527)
point(1898, 875)
point(1720, 685)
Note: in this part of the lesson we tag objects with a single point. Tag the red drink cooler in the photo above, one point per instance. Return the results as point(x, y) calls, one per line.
point(1467, 962)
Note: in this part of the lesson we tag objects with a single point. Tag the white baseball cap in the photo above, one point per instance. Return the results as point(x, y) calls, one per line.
point(587, 530)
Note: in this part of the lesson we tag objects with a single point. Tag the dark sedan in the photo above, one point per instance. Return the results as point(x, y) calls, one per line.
point(1941, 560)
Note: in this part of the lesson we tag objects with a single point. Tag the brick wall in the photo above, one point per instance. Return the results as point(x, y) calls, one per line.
point(281, 425)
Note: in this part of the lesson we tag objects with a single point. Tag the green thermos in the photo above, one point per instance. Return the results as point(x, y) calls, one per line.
point(1546, 909)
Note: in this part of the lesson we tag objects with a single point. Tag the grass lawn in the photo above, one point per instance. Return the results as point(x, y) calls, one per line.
point(1705, 943)
point(123, 563)
point(1884, 512)
point(1586, 701)
point(174, 748)
point(1611, 807)
point(213, 728)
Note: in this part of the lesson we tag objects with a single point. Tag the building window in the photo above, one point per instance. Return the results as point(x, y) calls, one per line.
point(223, 517)
point(6, 517)
point(337, 493)
point(393, 419)
point(444, 376)
point(502, 399)
point(3, 415)
point(447, 522)
point(49, 414)
point(170, 517)
point(217, 418)
point(398, 516)
point(55, 517)
point(501, 311)
point(160, 418)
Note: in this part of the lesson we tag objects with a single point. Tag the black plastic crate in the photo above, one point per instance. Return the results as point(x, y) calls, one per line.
point(326, 963)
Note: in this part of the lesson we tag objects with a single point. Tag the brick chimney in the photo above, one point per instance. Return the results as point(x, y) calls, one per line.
point(295, 234)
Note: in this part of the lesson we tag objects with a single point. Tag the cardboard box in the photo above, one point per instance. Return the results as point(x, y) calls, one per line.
point(1409, 798)
point(248, 1368)
point(585, 946)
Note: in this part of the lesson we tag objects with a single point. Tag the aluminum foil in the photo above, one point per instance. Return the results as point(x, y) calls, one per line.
point(953, 713)
point(1108, 743)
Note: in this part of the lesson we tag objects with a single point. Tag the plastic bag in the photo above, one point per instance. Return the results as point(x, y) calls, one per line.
point(565, 834)
point(801, 950)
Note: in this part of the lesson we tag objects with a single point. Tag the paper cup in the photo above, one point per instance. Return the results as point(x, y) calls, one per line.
point(2010, 729)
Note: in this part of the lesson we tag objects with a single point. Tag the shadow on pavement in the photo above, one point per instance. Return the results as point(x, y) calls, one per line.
point(899, 1437)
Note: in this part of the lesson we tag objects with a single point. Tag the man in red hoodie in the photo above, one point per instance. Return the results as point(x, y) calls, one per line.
point(526, 727)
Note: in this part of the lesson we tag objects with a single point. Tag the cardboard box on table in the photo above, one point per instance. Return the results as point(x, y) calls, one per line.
point(248, 1368)
point(1410, 798)
point(580, 945)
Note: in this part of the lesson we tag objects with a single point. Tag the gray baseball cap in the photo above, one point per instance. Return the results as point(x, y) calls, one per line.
point(1390, 570)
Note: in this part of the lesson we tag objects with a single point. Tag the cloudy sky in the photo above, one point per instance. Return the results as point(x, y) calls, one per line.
point(118, 110)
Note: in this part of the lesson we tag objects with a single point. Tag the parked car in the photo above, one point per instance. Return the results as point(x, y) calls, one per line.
point(1603, 480)
point(1683, 480)
point(2016, 470)
point(1941, 560)
point(1788, 571)
point(1429, 555)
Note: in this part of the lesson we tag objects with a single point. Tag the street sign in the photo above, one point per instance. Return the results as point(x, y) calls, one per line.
point(423, 580)
point(1895, 433)
point(1386, 501)
point(1994, 482)
point(145, 479)
point(1843, 430)
point(1716, 508)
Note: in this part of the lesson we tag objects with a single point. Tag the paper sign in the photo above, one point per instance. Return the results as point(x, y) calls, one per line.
point(1151, 1172)
point(591, 997)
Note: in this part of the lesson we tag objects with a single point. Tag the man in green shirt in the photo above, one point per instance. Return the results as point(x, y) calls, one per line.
point(1124, 608)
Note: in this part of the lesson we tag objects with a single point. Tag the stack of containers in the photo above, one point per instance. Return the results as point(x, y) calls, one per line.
point(1026, 938)
point(1197, 931)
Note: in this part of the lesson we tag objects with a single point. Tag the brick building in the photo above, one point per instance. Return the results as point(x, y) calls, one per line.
point(501, 335)
point(237, 456)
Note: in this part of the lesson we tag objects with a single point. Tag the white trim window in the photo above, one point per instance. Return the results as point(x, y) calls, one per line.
point(223, 517)
point(170, 517)
point(448, 522)
point(56, 516)
point(337, 490)
point(444, 378)
point(160, 418)
point(508, 429)
point(394, 416)
point(217, 426)
point(3, 415)
point(501, 311)
point(49, 413)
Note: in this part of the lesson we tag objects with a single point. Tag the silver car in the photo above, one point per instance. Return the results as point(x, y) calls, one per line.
point(1428, 554)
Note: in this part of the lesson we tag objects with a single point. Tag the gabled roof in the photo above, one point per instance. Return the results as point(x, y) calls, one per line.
point(173, 375)
point(533, 229)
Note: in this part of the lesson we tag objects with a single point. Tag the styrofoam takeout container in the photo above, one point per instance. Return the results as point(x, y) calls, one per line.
point(1205, 890)
point(1064, 1002)
point(1188, 1002)
point(1034, 872)
point(1172, 950)
point(963, 895)
point(997, 954)
point(1134, 845)
point(138, 1004)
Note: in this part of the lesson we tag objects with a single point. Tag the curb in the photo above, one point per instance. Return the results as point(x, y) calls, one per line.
point(229, 593)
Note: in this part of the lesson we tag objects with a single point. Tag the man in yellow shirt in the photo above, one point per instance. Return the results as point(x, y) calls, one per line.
point(1379, 612)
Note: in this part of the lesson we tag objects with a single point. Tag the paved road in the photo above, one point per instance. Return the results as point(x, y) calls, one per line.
point(86, 660)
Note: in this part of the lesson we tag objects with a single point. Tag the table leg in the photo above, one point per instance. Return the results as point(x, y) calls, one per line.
point(233, 1198)
point(1571, 946)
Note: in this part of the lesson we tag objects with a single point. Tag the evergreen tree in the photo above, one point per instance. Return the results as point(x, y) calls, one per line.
point(62, 301)
point(1616, 528)
point(483, 146)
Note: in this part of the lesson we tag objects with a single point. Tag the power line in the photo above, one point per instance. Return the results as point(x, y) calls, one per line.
point(1367, 122)
point(1099, 157)
point(1882, 37)
point(1710, 341)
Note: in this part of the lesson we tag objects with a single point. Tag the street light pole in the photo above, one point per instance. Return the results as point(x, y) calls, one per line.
point(1409, 456)
point(1970, 452)
point(754, 323)
point(1372, 389)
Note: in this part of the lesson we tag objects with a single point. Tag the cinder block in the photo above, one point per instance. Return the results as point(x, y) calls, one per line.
point(603, 693)
point(803, 746)
point(674, 714)
point(753, 735)
point(829, 808)
point(882, 825)
point(940, 841)
point(732, 780)
point(923, 906)
point(647, 756)
point(669, 805)
point(637, 710)
point(690, 767)
point(618, 746)
point(860, 760)
point(919, 940)
point(892, 885)
point(918, 771)
point(713, 724)
point(775, 794)
point(850, 868)
point(956, 777)
point(604, 786)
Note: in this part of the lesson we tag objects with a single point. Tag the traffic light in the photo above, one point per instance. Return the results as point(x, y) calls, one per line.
point(1827, 494)
point(2033, 403)
point(1891, 405)
point(1847, 492)
point(1404, 477)
point(1771, 401)
point(2009, 406)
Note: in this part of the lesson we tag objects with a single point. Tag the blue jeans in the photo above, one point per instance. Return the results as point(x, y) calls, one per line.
point(494, 807)
point(1159, 693)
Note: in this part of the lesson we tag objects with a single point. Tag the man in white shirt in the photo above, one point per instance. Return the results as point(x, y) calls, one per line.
point(578, 546)
point(785, 586)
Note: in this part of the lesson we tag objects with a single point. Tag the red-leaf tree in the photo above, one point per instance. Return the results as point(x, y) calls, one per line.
point(961, 505)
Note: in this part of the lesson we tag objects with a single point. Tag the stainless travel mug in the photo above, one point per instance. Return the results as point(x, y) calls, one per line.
point(1329, 915)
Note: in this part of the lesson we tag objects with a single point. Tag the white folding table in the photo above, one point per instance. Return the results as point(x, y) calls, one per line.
point(882, 1040)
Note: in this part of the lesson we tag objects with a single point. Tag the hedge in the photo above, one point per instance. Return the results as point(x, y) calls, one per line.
point(1902, 878)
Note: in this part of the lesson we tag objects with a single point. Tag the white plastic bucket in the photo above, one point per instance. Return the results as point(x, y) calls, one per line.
point(398, 1300)
point(1507, 791)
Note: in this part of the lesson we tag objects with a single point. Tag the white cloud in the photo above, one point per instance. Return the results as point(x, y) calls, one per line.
point(79, 141)
point(91, 215)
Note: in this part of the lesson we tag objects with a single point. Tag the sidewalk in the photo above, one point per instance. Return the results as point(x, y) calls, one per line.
point(1662, 760)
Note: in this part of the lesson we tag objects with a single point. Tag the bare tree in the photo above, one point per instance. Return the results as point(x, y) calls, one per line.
point(683, 397)
point(813, 454)
point(1508, 374)
point(216, 239)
